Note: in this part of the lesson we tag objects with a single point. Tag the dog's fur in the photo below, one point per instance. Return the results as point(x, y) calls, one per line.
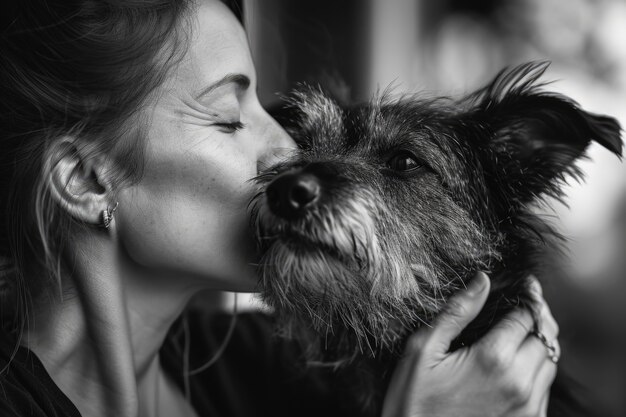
point(383, 247)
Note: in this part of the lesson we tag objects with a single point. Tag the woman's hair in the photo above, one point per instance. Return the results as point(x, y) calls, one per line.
point(79, 68)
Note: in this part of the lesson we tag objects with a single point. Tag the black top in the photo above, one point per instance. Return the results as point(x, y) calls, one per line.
point(26, 389)
point(257, 375)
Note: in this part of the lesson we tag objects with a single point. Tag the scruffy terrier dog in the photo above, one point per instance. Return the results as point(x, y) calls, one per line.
point(391, 207)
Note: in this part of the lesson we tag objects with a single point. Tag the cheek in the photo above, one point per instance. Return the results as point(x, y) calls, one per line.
point(441, 233)
point(188, 213)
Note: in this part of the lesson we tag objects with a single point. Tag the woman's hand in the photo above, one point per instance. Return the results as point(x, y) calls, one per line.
point(506, 373)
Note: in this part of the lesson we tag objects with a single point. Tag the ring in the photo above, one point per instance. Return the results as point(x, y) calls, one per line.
point(553, 354)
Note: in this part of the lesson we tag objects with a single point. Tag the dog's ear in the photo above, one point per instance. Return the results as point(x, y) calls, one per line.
point(312, 117)
point(534, 136)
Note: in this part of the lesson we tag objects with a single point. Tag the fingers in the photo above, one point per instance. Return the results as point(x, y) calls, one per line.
point(535, 287)
point(545, 320)
point(533, 357)
point(541, 388)
point(527, 394)
point(536, 357)
point(461, 309)
point(535, 349)
point(509, 333)
point(543, 405)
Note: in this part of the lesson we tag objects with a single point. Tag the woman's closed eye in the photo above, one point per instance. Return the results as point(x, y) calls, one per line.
point(229, 127)
point(223, 114)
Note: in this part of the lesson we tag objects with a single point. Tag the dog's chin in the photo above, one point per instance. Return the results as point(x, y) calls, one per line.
point(320, 295)
point(314, 269)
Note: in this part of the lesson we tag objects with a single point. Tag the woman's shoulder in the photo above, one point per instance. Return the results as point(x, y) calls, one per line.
point(26, 388)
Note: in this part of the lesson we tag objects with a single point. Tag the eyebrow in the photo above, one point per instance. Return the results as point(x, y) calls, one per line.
point(242, 82)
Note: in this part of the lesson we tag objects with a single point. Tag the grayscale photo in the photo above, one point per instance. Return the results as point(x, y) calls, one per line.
point(277, 208)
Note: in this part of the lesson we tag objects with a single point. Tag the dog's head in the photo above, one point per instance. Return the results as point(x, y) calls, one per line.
point(392, 206)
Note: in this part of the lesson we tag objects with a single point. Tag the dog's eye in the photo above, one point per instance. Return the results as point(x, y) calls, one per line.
point(403, 162)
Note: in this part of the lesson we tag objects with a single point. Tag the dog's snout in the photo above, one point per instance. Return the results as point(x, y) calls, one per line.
point(305, 190)
point(290, 194)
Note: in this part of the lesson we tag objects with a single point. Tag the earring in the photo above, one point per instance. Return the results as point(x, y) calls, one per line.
point(107, 215)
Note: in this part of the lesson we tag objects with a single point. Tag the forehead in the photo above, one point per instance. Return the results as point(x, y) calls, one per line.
point(217, 45)
point(392, 124)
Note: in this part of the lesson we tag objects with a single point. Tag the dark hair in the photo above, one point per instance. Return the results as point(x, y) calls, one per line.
point(69, 67)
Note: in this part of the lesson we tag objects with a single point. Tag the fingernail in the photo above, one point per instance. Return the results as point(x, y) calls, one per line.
point(478, 284)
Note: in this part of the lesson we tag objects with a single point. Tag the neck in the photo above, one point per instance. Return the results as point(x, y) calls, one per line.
point(101, 345)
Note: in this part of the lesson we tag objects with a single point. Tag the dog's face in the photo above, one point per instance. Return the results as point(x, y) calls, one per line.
point(391, 207)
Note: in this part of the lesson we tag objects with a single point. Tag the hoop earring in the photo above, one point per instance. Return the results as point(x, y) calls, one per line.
point(107, 215)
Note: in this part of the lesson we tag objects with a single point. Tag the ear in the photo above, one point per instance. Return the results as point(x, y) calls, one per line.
point(309, 113)
point(535, 136)
point(78, 179)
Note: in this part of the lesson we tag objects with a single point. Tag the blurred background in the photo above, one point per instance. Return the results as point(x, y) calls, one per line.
point(450, 47)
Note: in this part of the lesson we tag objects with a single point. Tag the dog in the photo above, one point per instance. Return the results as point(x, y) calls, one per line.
point(390, 207)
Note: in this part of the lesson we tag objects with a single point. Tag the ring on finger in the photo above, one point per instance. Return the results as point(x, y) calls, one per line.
point(552, 348)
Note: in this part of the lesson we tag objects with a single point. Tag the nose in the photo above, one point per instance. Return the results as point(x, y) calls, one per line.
point(289, 195)
point(276, 145)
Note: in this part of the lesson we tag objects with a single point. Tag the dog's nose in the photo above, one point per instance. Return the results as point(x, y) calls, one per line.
point(290, 194)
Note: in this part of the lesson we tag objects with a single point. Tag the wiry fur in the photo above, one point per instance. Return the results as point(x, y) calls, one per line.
point(381, 251)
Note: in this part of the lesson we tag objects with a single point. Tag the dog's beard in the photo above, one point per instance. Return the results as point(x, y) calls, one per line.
point(342, 291)
point(327, 304)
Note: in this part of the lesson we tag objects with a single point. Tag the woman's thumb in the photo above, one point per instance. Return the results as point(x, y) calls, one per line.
point(461, 309)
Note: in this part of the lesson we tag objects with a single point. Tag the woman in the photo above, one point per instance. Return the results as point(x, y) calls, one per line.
point(130, 130)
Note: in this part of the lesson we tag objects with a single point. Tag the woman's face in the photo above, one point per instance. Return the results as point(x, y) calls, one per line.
point(207, 137)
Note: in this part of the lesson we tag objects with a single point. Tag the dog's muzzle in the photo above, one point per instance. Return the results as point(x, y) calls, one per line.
point(293, 193)
point(289, 195)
